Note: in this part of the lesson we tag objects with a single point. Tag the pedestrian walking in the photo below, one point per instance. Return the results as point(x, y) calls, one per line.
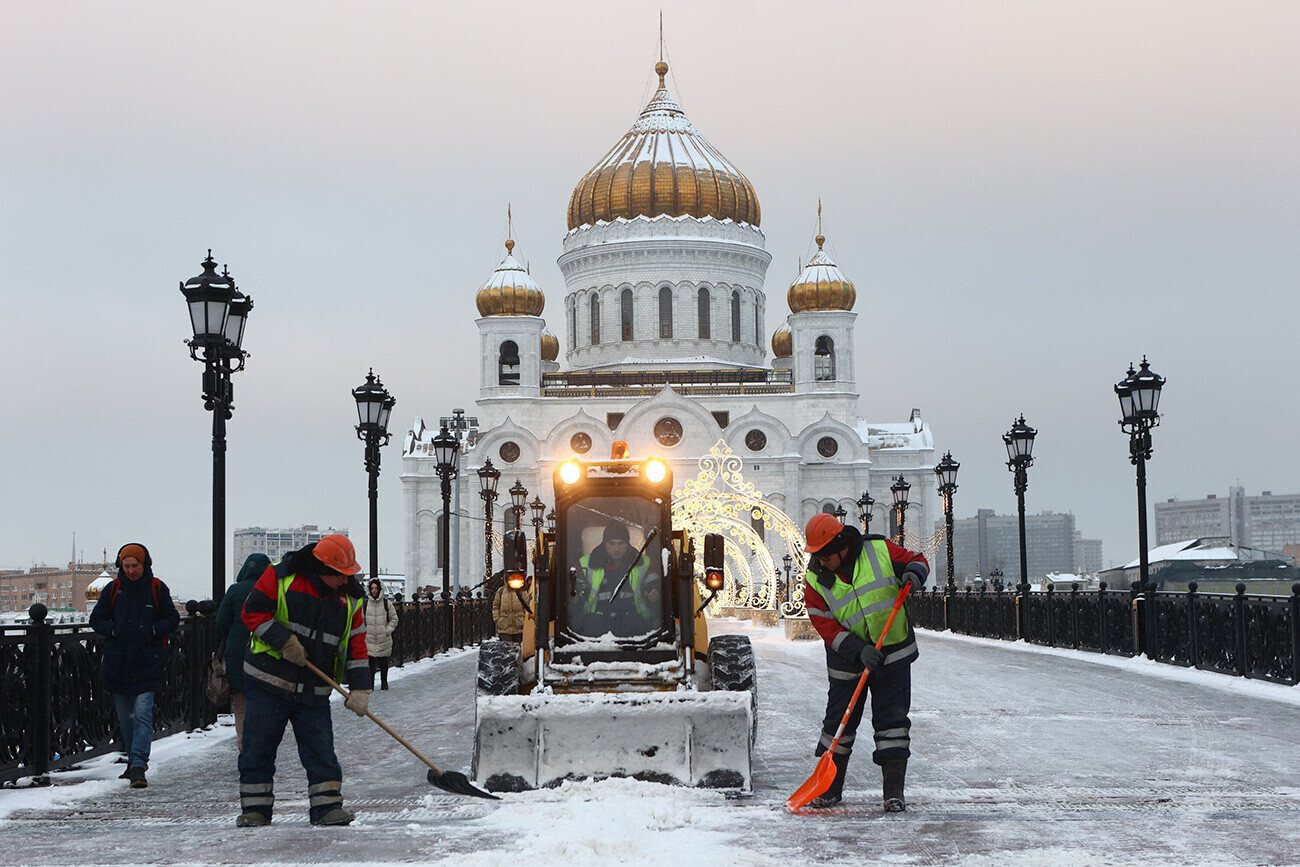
point(509, 612)
point(231, 628)
point(851, 584)
point(136, 614)
point(308, 607)
point(381, 623)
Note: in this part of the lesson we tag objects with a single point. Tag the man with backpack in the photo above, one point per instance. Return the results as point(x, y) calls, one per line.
point(136, 614)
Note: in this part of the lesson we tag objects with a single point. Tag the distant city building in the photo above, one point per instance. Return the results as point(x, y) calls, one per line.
point(276, 543)
point(59, 589)
point(990, 541)
point(1270, 522)
point(1215, 565)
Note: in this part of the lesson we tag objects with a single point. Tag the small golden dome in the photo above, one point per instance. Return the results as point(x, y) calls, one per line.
point(550, 345)
point(96, 587)
point(510, 291)
point(821, 286)
point(782, 341)
point(663, 166)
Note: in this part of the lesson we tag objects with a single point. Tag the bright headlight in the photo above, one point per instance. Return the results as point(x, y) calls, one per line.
point(570, 472)
point(655, 471)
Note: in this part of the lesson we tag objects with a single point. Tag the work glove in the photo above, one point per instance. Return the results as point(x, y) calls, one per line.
point(292, 650)
point(913, 575)
point(358, 701)
point(871, 657)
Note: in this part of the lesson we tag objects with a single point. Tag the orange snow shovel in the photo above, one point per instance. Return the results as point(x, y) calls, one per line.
point(824, 774)
point(449, 781)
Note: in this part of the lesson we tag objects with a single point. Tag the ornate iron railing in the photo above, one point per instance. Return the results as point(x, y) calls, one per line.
point(1248, 636)
point(55, 712)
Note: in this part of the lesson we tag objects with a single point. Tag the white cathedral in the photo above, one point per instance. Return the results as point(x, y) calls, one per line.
point(664, 313)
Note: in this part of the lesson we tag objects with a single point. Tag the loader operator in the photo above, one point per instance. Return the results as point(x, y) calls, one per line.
point(636, 608)
point(852, 582)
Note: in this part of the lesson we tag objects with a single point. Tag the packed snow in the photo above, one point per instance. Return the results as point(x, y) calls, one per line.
point(1021, 756)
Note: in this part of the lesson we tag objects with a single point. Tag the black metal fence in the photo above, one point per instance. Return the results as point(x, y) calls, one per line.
point(1248, 636)
point(55, 712)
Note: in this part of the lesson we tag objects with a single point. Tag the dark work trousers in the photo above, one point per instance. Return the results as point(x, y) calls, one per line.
point(264, 722)
point(380, 664)
point(889, 689)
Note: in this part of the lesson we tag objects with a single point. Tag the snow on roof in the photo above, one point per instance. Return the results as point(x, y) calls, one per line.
point(1190, 550)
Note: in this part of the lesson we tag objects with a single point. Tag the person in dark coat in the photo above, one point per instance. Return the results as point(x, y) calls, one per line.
point(136, 614)
point(231, 628)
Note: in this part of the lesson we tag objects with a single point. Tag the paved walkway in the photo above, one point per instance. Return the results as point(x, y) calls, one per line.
point(1021, 757)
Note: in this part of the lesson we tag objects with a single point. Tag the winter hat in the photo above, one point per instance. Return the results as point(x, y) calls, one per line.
point(136, 550)
point(616, 531)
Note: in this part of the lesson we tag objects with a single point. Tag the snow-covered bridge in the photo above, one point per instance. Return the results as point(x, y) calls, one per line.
point(1022, 755)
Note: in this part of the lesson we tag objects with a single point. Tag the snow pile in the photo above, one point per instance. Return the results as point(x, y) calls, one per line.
point(593, 824)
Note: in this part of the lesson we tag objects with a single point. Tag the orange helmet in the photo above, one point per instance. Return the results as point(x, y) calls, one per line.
point(336, 552)
point(822, 528)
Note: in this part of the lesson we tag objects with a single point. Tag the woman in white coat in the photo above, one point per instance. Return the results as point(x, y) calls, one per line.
point(381, 621)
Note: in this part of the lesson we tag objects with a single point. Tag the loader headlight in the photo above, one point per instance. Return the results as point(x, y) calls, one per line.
point(713, 579)
point(570, 472)
point(655, 471)
point(515, 581)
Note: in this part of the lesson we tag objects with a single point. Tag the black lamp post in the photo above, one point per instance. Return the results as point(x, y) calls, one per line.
point(1139, 401)
point(488, 476)
point(519, 501)
point(947, 474)
point(539, 509)
point(900, 489)
point(865, 502)
point(550, 521)
point(1020, 457)
point(787, 561)
point(447, 451)
point(839, 513)
point(218, 313)
point(374, 404)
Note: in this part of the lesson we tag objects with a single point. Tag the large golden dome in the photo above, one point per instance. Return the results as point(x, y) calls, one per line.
point(821, 286)
point(663, 166)
point(550, 345)
point(510, 291)
point(782, 341)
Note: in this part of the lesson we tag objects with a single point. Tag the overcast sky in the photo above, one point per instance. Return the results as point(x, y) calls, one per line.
point(1028, 196)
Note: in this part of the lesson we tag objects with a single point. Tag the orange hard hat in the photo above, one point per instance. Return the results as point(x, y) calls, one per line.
point(822, 527)
point(336, 552)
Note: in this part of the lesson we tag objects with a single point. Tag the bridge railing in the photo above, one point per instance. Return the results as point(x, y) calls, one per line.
point(1232, 633)
point(55, 711)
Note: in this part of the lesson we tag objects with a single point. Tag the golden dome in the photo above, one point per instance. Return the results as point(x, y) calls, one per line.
point(96, 587)
point(782, 342)
point(550, 345)
point(821, 286)
point(510, 291)
point(663, 166)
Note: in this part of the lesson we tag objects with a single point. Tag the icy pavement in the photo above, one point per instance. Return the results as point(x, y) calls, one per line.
point(1022, 755)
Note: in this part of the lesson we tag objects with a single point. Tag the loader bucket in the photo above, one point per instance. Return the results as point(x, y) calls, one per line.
point(682, 738)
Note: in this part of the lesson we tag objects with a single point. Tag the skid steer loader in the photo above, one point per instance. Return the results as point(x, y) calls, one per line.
point(616, 675)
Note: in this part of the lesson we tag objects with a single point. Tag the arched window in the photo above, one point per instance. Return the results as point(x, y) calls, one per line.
point(758, 325)
point(735, 317)
point(595, 320)
point(625, 313)
point(508, 364)
point(573, 325)
point(703, 303)
point(665, 312)
point(824, 360)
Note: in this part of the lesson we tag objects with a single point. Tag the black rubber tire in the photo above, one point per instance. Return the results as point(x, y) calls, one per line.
point(498, 668)
point(731, 667)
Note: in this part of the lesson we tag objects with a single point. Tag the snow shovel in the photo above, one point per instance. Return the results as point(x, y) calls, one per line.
point(448, 781)
point(824, 774)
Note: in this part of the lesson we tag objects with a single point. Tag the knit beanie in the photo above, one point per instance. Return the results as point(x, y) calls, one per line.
point(133, 550)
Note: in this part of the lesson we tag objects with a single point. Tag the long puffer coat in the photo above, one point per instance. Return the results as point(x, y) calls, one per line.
point(381, 623)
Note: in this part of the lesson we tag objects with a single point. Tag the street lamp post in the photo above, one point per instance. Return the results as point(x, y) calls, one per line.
point(787, 561)
point(519, 501)
point(550, 521)
point(1139, 402)
point(218, 313)
point(539, 509)
point(488, 476)
point(839, 513)
point(1020, 457)
point(865, 502)
point(947, 473)
point(465, 429)
point(900, 489)
point(447, 451)
point(374, 405)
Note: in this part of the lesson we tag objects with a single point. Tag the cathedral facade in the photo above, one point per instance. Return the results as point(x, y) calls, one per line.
point(666, 348)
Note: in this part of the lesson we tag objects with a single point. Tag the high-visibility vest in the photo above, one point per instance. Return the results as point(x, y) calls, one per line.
point(863, 606)
point(257, 645)
point(597, 576)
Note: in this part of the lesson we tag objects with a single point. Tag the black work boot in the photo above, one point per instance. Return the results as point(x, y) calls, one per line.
point(893, 771)
point(832, 795)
